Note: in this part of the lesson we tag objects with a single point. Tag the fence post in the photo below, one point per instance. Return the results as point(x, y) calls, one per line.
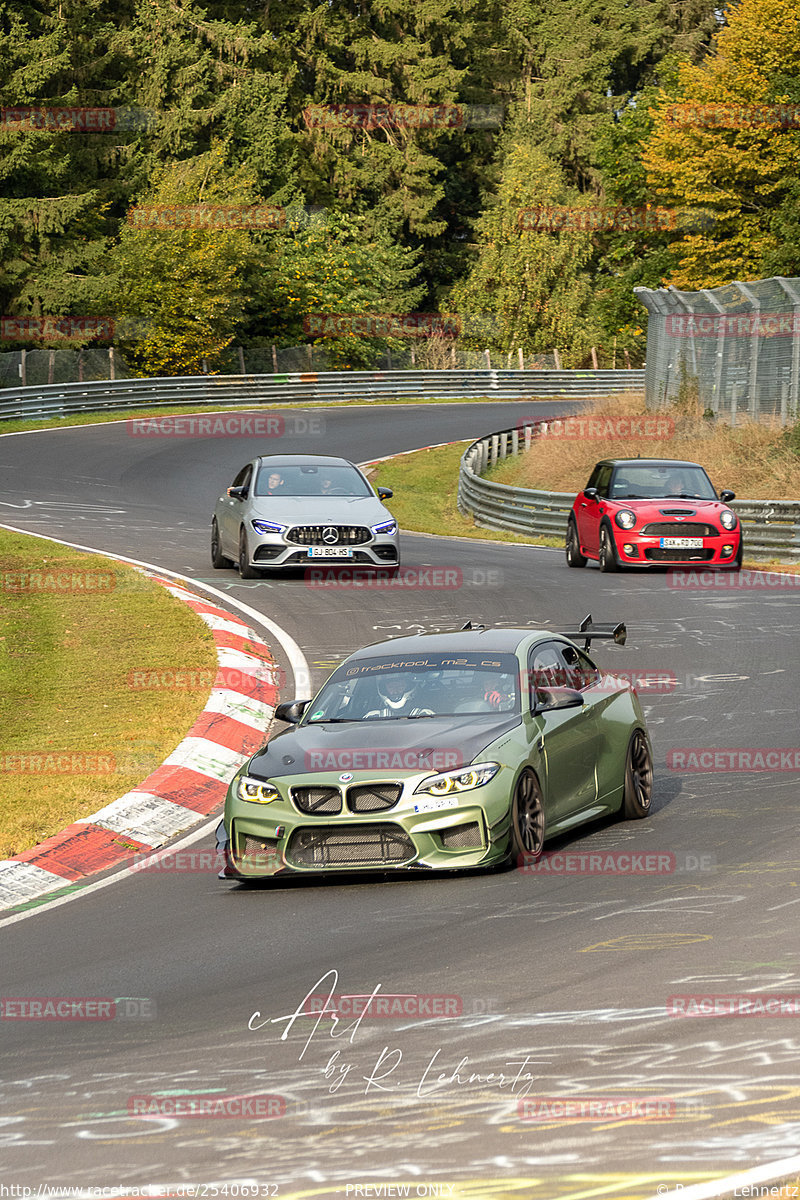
point(80, 366)
point(51, 365)
point(557, 357)
point(112, 366)
point(594, 357)
point(241, 360)
point(520, 358)
point(310, 350)
point(274, 360)
point(23, 368)
point(488, 360)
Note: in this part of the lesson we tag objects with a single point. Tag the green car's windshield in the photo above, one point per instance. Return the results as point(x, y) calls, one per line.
point(660, 481)
point(417, 686)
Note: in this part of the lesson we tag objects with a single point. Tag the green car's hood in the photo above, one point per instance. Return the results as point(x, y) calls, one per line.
point(381, 746)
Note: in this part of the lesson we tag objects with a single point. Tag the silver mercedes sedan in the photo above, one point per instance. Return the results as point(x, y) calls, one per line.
point(297, 510)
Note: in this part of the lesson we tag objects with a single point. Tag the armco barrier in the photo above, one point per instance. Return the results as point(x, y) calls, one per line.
point(64, 399)
point(771, 528)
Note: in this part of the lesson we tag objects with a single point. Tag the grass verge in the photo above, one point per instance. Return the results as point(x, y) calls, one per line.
point(89, 703)
point(425, 485)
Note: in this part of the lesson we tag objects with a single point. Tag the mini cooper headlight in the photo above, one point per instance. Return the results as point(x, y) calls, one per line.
point(463, 780)
point(256, 790)
point(267, 527)
point(728, 519)
point(625, 518)
point(385, 527)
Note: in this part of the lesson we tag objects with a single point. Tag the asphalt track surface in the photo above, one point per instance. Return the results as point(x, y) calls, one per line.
point(562, 980)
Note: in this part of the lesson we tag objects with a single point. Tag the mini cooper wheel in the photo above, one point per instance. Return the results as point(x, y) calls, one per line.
point(527, 819)
point(638, 790)
point(218, 559)
point(245, 570)
point(606, 553)
point(572, 547)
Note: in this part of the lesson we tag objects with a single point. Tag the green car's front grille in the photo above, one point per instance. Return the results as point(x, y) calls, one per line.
point(373, 797)
point(326, 801)
point(358, 846)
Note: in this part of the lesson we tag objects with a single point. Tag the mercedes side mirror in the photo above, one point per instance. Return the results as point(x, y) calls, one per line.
point(237, 493)
point(385, 493)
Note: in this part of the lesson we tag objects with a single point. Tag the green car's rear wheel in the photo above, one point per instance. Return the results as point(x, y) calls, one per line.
point(527, 818)
point(638, 792)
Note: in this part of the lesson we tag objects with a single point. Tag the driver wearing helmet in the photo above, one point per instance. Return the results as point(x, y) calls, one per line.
point(398, 697)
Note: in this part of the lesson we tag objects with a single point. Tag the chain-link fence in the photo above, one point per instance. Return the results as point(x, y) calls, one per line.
point(737, 347)
point(32, 368)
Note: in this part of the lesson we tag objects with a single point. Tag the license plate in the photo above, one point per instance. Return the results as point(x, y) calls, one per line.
point(329, 552)
point(682, 543)
point(435, 803)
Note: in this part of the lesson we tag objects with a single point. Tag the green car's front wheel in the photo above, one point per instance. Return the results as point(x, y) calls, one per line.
point(527, 818)
point(638, 791)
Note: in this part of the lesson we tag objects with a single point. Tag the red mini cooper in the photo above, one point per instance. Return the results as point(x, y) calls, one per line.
point(646, 512)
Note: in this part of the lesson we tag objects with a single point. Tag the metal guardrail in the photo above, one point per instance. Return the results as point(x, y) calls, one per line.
point(771, 528)
point(63, 399)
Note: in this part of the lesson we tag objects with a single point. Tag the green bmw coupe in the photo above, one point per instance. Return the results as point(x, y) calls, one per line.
point(445, 750)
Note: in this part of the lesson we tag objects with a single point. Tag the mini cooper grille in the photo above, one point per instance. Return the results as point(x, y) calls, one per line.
point(663, 554)
point(677, 512)
point(358, 846)
point(462, 837)
point(313, 800)
point(679, 529)
point(375, 797)
point(314, 535)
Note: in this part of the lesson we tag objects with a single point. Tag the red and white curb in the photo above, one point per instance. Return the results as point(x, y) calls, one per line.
point(189, 783)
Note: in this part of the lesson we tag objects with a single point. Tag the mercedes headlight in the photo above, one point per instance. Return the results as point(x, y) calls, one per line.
point(728, 519)
point(463, 780)
point(625, 518)
point(256, 790)
point(386, 527)
point(267, 527)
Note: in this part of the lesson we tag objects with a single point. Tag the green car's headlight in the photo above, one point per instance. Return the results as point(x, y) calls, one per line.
point(463, 780)
point(256, 790)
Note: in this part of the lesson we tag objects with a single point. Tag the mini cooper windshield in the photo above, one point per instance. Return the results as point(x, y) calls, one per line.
point(310, 480)
point(676, 481)
point(429, 685)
